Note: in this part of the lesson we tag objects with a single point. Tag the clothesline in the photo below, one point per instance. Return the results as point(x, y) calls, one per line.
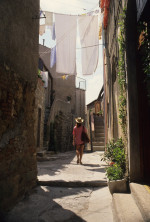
point(86, 23)
point(48, 50)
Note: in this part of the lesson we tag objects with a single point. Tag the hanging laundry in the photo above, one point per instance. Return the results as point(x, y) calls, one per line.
point(100, 32)
point(90, 13)
point(66, 29)
point(53, 32)
point(42, 19)
point(65, 77)
point(53, 57)
point(97, 11)
point(89, 37)
point(45, 78)
point(42, 29)
point(49, 18)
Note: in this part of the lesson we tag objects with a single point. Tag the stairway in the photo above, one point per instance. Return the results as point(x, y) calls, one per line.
point(99, 138)
point(134, 206)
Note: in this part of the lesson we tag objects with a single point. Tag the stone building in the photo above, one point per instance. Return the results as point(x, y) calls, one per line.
point(127, 95)
point(59, 120)
point(18, 79)
point(40, 100)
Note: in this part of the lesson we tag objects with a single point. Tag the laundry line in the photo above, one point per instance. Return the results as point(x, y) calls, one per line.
point(48, 51)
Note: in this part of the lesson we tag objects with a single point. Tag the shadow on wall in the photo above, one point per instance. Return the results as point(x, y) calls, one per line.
point(61, 133)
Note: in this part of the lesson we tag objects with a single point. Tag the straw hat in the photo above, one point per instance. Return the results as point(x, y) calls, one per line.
point(79, 120)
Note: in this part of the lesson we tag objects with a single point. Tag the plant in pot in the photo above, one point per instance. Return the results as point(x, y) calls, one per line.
point(100, 113)
point(114, 156)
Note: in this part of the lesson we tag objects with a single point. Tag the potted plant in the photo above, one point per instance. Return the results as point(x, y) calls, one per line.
point(100, 113)
point(114, 156)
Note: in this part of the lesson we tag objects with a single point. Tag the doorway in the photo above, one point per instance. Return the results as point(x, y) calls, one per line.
point(143, 74)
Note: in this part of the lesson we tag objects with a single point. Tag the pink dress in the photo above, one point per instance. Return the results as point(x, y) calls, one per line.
point(77, 131)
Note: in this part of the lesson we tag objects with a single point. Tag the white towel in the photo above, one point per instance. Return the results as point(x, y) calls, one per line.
point(42, 29)
point(53, 57)
point(49, 18)
point(45, 78)
point(89, 37)
point(66, 29)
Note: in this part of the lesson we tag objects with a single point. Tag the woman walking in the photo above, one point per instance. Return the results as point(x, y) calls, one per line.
point(77, 141)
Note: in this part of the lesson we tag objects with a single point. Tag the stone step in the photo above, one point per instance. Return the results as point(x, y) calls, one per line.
point(60, 183)
point(99, 134)
point(41, 153)
point(95, 143)
point(141, 195)
point(98, 148)
point(99, 126)
point(99, 122)
point(99, 139)
point(99, 130)
point(125, 208)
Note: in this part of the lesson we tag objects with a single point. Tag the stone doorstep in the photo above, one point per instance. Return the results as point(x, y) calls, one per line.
point(125, 208)
point(142, 198)
point(60, 183)
point(133, 207)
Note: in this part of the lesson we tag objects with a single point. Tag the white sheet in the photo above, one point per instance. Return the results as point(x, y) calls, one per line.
point(89, 37)
point(65, 29)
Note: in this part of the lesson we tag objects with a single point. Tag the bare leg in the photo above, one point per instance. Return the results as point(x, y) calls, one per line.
point(77, 152)
point(81, 152)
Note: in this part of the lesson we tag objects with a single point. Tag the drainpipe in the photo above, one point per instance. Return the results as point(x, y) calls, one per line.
point(90, 131)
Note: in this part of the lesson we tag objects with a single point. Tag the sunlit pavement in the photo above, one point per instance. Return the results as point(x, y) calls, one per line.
point(64, 202)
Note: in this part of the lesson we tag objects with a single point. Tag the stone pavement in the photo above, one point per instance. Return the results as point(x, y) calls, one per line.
point(65, 170)
point(67, 200)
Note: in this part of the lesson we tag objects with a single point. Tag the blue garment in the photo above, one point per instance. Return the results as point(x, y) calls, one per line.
point(53, 57)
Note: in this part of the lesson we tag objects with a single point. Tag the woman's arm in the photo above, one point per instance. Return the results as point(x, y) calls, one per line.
point(73, 140)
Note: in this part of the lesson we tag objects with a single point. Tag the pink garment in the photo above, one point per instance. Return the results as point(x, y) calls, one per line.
point(77, 131)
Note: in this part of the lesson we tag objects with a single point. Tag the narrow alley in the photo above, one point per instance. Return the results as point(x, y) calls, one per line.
point(67, 191)
point(75, 82)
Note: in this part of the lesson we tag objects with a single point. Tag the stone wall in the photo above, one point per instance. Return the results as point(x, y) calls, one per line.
point(112, 89)
point(18, 78)
point(19, 36)
point(65, 88)
point(80, 103)
point(39, 114)
point(61, 132)
point(111, 72)
point(18, 168)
